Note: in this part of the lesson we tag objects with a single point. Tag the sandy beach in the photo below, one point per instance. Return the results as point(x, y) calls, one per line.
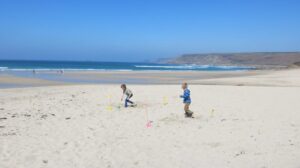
point(210, 84)
point(249, 121)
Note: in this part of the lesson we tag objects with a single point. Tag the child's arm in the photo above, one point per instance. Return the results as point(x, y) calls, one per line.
point(186, 94)
point(182, 96)
point(122, 97)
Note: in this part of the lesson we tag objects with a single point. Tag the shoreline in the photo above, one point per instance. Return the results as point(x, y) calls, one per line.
point(234, 78)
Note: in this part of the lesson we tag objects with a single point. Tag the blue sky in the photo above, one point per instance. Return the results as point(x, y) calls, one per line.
point(138, 30)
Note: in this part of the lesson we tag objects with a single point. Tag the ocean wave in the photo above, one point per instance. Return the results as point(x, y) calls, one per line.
point(191, 67)
point(171, 66)
point(3, 68)
point(144, 67)
point(53, 70)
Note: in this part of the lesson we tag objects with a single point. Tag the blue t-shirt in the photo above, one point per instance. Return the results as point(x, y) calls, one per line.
point(186, 96)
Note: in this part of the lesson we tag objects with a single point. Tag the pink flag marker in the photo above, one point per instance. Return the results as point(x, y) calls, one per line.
point(149, 124)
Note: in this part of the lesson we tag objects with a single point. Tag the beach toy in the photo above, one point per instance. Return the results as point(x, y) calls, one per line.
point(149, 124)
point(165, 100)
point(109, 108)
point(212, 112)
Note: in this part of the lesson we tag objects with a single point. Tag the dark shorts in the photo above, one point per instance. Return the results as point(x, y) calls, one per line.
point(187, 102)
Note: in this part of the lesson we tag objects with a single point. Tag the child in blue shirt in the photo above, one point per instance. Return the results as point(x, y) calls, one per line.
point(186, 100)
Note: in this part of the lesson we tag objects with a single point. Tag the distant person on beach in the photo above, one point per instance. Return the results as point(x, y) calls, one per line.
point(186, 100)
point(127, 92)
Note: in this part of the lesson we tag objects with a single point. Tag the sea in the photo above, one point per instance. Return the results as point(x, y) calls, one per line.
point(63, 71)
point(22, 65)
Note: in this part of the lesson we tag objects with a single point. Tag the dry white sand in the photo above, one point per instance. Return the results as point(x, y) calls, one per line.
point(85, 127)
point(289, 77)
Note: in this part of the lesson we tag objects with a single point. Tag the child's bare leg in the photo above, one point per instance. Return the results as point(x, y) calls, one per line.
point(186, 108)
point(188, 112)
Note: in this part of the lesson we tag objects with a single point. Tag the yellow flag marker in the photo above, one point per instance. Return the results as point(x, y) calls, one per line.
point(165, 100)
point(212, 112)
point(109, 108)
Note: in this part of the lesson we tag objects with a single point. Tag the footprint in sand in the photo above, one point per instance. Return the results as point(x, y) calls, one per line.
point(242, 152)
point(44, 116)
point(8, 134)
point(168, 119)
point(198, 117)
point(213, 144)
point(27, 115)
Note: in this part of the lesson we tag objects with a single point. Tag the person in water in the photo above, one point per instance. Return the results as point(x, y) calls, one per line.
point(186, 100)
point(127, 92)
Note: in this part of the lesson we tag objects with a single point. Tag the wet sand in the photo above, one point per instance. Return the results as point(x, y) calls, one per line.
point(131, 77)
point(11, 81)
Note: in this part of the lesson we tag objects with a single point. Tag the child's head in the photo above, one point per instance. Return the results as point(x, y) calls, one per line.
point(123, 86)
point(184, 85)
